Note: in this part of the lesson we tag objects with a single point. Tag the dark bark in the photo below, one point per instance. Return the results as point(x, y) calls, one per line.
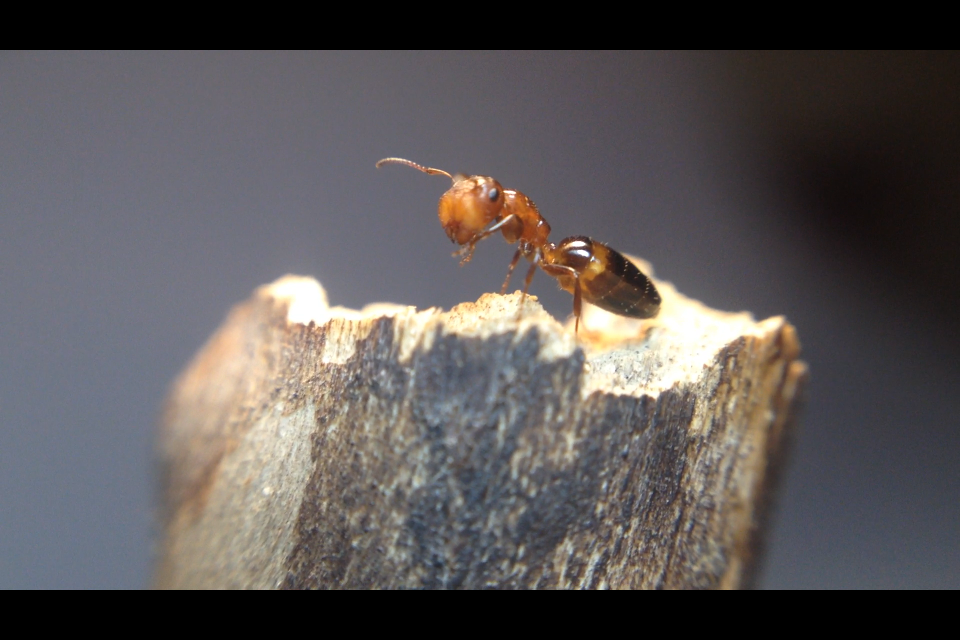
point(465, 450)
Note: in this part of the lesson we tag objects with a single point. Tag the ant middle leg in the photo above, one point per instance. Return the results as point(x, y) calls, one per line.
point(513, 264)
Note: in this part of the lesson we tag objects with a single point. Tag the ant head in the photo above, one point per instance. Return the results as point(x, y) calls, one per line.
point(468, 206)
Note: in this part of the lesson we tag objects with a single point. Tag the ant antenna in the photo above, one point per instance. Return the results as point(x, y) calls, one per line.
point(419, 167)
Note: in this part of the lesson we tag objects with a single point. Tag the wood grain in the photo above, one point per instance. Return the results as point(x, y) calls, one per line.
point(310, 447)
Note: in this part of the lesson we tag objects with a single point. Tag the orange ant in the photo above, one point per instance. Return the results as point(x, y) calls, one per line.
point(588, 269)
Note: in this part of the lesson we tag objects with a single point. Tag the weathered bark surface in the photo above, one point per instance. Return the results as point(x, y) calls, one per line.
point(308, 447)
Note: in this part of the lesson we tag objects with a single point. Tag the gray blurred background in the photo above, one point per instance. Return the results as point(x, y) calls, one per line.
point(143, 194)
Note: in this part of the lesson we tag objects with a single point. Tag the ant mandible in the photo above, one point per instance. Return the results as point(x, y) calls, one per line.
point(477, 206)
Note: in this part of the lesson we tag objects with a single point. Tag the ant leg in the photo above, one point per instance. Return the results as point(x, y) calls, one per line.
point(526, 285)
point(513, 264)
point(472, 243)
point(576, 306)
point(561, 271)
point(466, 250)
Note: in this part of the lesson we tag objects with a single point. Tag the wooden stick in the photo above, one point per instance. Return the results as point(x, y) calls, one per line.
point(310, 447)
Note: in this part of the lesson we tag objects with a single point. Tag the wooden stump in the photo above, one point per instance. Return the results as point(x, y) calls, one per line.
point(310, 447)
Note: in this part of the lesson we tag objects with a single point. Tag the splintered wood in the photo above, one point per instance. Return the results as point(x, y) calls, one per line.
point(315, 447)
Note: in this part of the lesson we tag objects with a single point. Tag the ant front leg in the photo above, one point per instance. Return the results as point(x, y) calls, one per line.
point(467, 249)
point(472, 243)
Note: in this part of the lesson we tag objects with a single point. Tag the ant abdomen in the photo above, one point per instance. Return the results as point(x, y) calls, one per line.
point(606, 278)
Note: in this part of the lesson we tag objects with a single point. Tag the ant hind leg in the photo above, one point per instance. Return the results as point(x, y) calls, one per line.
point(526, 286)
point(577, 306)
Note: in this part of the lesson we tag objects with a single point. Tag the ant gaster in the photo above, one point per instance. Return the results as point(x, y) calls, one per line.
point(478, 206)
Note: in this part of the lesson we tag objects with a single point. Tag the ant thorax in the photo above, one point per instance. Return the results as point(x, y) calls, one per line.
point(527, 224)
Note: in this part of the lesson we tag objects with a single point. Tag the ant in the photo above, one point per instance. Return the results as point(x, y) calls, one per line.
point(477, 206)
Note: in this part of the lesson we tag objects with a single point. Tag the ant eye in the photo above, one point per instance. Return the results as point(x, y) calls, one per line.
point(494, 194)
